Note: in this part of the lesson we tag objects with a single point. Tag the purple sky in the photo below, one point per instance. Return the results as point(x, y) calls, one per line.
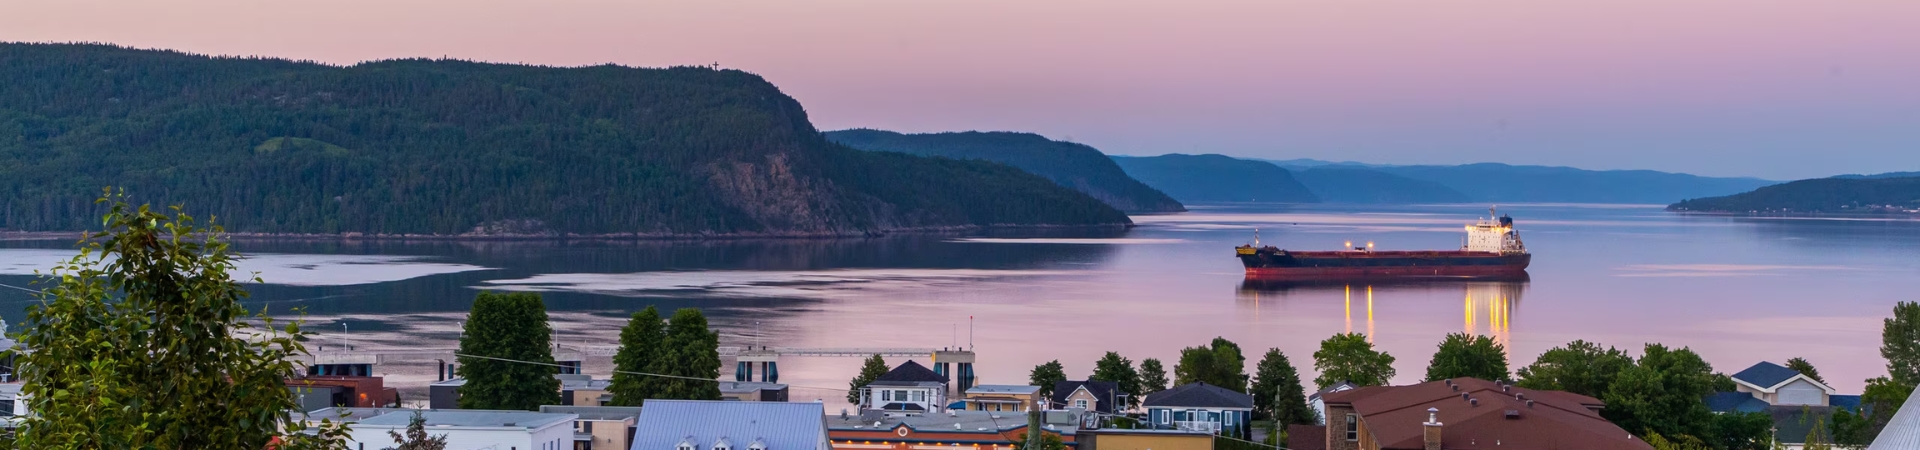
point(1775, 89)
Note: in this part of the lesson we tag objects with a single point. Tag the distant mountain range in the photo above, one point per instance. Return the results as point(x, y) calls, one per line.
point(1068, 164)
point(456, 148)
point(1216, 178)
point(1494, 182)
point(1350, 184)
point(1846, 194)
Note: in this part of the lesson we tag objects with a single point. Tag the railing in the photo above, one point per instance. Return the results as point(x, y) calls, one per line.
point(1204, 427)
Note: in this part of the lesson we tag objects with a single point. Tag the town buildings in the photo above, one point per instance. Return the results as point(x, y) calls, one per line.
point(464, 428)
point(982, 430)
point(753, 391)
point(322, 391)
point(600, 427)
point(1466, 413)
point(1003, 397)
point(1090, 395)
point(1793, 400)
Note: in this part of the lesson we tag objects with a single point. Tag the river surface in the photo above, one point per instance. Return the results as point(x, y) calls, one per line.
point(1736, 290)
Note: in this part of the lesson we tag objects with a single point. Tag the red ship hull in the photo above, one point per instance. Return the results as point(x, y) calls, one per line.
point(1362, 273)
point(1275, 264)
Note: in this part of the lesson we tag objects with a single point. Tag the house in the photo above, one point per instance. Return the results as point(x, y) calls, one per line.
point(600, 427)
point(1793, 400)
point(13, 405)
point(1002, 397)
point(1091, 395)
point(583, 390)
point(1114, 439)
point(1202, 407)
point(322, 391)
point(1320, 407)
point(753, 391)
point(467, 428)
point(1464, 413)
point(983, 430)
point(1903, 431)
point(725, 425)
point(909, 389)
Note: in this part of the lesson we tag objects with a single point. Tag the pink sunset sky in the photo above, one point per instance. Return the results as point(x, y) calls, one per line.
point(1777, 89)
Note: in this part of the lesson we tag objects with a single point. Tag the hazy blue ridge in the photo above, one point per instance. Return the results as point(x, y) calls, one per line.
point(1342, 184)
point(1216, 178)
point(454, 147)
point(1072, 165)
point(1881, 175)
point(1819, 195)
point(1495, 182)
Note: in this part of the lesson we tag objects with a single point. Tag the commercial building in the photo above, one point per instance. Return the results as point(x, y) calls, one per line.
point(464, 429)
point(1002, 397)
point(600, 427)
point(730, 425)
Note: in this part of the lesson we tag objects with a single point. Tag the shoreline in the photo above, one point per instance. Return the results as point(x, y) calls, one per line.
point(356, 236)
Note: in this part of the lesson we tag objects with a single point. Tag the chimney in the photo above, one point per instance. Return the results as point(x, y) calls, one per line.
point(1431, 437)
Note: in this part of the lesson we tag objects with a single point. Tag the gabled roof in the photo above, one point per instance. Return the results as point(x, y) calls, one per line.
point(911, 372)
point(1395, 415)
point(1336, 387)
point(1903, 431)
point(1723, 402)
point(1767, 376)
point(1200, 395)
point(1102, 392)
point(781, 425)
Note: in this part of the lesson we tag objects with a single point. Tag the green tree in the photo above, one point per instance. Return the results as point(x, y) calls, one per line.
point(1580, 367)
point(1467, 355)
point(642, 344)
point(1119, 370)
point(1741, 431)
point(1664, 392)
point(1046, 375)
point(1900, 343)
point(1153, 376)
point(141, 342)
point(1349, 357)
point(692, 352)
point(506, 354)
point(1277, 393)
point(1805, 368)
point(1219, 363)
point(872, 369)
point(1882, 397)
point(416, 437)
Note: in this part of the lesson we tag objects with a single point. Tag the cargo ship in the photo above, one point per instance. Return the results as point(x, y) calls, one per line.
point(1492, 249)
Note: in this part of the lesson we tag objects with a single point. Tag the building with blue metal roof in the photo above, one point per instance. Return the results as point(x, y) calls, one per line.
point(730, 425)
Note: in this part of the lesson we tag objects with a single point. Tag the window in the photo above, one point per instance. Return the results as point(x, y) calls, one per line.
point(919, 396)
point(1162, 415)
point(586, 426)
point(886, 396)
point(1353, 427)
point(1081, 403)
point(900, 395)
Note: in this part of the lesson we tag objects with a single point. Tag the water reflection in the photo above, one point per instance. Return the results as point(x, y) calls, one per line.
point(1487, 306)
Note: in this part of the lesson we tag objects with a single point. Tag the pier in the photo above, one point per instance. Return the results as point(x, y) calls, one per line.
point(955, 363)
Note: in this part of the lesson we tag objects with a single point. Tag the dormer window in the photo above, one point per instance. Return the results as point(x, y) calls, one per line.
point(758, 444)
point(722, 444)
point(687, 444)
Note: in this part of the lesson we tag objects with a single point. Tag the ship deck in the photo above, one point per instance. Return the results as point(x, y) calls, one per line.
point(1387, 254)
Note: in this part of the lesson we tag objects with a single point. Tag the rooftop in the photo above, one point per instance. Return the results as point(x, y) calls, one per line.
point(1004, 389)
point(1102, 393)
point(469, 418)
point(951, 421)
point(663, 424)
point(351, 415)
point(573, 382)
point(1200, 395)
point(595, 412)
point(1903, 431)
point(910, 373)
point(1721, 402)
point(1520, 418)
point(452, 382)
point(1766, 374)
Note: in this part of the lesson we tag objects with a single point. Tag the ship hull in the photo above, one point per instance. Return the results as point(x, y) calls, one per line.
point(1269, 264)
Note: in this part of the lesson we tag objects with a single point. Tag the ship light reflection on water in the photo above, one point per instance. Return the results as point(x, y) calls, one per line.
point(1487, 306)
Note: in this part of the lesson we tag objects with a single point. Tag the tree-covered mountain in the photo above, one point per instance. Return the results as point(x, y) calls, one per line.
point(1495, 182)
point(1882, 175)
point(1344, 184)
point(1076, 166)
point(1820, 195)
point(455, 147)
point(1216, 178)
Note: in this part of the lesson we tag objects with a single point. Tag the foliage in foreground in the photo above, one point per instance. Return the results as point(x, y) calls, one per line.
point(142, 343)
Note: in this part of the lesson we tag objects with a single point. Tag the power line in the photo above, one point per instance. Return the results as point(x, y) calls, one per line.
point(638, 373)
point(36, 291)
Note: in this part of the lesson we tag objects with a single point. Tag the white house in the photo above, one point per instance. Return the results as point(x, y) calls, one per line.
point(465, 429)
point(910, 389)
point(1780, 386)
point(1319, 405)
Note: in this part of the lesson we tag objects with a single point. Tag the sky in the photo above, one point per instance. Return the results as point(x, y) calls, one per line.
point(1777, 89)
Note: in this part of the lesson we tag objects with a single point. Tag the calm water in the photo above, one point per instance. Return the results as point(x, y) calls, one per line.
point(1737, 290)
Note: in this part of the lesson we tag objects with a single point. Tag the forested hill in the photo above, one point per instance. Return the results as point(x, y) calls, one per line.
point(1072, 165)
point(453, 147)
point(1820, 195)
point(1216, 178)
